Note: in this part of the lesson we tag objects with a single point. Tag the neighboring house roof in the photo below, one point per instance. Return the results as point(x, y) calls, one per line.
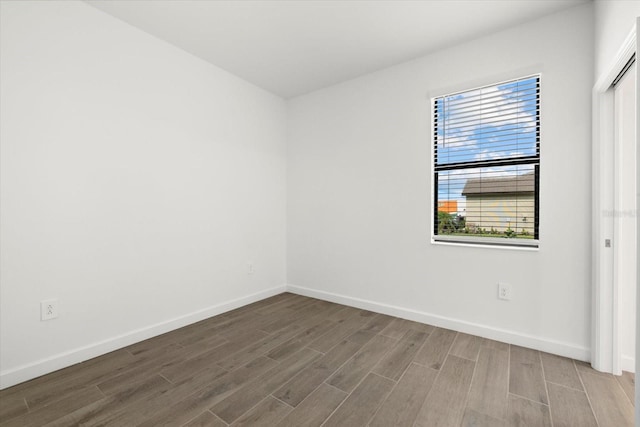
point(511, 184)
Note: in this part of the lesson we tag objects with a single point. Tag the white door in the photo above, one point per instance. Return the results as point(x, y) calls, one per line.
point(625, 235)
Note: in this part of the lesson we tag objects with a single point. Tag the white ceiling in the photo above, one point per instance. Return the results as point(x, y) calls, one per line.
point(295, 47)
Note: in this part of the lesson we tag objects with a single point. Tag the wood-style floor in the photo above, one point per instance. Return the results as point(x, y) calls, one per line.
point(296, 361)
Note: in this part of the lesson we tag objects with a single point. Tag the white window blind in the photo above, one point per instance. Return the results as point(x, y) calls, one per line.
point(486, 154)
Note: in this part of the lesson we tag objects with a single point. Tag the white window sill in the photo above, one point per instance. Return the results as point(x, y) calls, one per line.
point(490, 243)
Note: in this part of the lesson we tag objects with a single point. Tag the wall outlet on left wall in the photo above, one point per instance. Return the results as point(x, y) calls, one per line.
point(48, 309)
point(504, 291)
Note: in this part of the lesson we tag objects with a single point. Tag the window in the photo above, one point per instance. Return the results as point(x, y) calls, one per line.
point(486, 157)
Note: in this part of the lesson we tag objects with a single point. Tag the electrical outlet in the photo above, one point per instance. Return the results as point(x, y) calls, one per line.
point(504, 291)
point(48, 309)
point(250, 269)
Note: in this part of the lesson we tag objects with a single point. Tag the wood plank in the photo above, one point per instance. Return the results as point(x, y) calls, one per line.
point(609, 402)
point(190, 398)
point(303, 303)
point(370, 329)
point(341, 331)
point(103, 408)
point(190, 367)
point(12, 406)
point(283, 304)
point(445, 403)
point(206, 419)
point(303, 384)
point(361, 336)
point(308, 324)
point(259, 348)
point(267, 413)
point(152, 345)
point(403, 404)
point(206, 332)
point(242, 324)
point(343, 314)
point(435, 349)
point(46, 414)
point(570, 407)
point(421, 327)
point(233, 406)
point(362, 404)
point(78, 371)
point(92, 373)
point(203, 345)
point(285, 321)
point(331, 311)
point(526, 413)
point(378, 323)
point(396, 361)
point(466, 346)
point(477, 419)
point(356, 368)
point(526, 378)
point(323, 316)
point(287, 299)
point(497, 345)
point(173, 356)
point(628, 383)
point(560, 370)
point(198, 335)
point(293, 345)
point(315, 409)
point(396, 329)
point(489, 388)
point(253, 322)
point(399, 328)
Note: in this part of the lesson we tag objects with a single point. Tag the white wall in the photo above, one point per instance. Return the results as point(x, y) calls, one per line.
point(614, 20)
point(137, 182)
point(359, 207)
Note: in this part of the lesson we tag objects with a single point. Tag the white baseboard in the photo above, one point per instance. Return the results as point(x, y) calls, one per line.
point(628, 364)
point(32, 370)
point(511, 337)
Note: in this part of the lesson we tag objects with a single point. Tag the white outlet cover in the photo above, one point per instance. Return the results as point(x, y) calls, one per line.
point(504, 291)
point(48, 309)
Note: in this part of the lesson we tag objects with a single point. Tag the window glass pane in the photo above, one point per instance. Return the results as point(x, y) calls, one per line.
point(487, 202)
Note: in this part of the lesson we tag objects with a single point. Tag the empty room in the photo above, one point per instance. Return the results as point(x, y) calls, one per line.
point(319, 213)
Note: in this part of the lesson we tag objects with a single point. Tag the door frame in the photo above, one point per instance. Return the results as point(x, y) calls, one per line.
point(605, 345)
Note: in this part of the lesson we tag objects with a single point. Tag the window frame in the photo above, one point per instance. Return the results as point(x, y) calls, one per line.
point(486, 242)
